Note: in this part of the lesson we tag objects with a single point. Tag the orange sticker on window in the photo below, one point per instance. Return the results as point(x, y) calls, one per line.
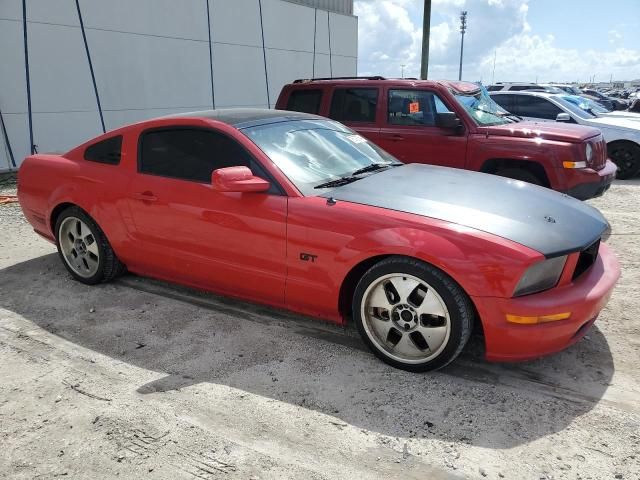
point(414, 107)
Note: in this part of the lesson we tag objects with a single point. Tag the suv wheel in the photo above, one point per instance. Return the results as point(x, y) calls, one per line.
point(519, 174)
point(626, 156)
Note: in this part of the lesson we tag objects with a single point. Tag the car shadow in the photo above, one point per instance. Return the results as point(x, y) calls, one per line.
point(196, 337)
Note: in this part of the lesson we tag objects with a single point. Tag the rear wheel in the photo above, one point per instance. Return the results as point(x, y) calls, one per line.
point(84, 249)
point(519, 174)
point(626, 156)
point(412, 315)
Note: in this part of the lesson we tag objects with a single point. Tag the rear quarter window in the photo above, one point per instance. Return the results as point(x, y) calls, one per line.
point(106, 151)
point(307, 101)
point(354, 104)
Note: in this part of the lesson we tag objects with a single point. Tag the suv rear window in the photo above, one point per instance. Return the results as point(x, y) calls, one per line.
point(307, 101)
point(106, 151)
point(354, 104)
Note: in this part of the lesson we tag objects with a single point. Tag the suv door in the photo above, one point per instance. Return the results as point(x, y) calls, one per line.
point(234, 242)
point(410, 132)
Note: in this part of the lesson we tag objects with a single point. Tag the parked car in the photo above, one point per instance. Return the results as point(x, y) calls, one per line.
point(520, 86)
point(456, 124)
point(608, 102)
point(570, 89)
point(298, 211)
point(597, 109)
point(622, 135)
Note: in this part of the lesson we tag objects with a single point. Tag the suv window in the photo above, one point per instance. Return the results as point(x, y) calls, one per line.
point(188, 153)
point(536, 107)
point(414, 107)
point(106, 151)
point(494, 88)
point(354, 104)
point(307, 101)
point(506, 102)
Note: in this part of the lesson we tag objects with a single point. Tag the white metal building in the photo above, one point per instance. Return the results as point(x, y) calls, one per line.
point(71, 69)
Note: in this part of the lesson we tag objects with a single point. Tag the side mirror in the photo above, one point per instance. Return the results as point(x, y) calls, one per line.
point(237, 179)
point(447, 120)
point(563, 117)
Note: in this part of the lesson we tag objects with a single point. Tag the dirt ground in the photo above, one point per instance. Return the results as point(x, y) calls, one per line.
point(140, 379)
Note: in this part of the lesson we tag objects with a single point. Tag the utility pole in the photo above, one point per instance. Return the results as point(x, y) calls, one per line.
point(463, 29)
point(402, 67)
point(426, 31)
point(493, 75)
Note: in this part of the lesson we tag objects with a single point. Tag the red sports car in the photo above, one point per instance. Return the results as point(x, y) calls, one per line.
point(298, 211)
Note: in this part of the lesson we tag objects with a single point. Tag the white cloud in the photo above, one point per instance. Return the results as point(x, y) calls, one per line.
point(391, 35)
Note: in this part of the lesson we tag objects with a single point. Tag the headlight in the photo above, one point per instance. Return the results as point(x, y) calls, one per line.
point(588, 152)
point(541, 276)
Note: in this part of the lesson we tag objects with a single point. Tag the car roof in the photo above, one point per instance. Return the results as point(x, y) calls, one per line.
point(247, 117)
point(461, 86)
point(524, 92)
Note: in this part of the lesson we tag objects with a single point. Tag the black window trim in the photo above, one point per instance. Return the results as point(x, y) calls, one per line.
point(84, 153)
point(357, 87)
point(279, 191)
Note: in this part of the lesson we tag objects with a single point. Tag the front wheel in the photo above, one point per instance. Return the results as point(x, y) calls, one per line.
point(412, 315)
point(519, 174)
point(626, 156)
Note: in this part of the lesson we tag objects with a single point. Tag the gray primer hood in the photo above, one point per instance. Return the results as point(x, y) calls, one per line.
point(549, 222)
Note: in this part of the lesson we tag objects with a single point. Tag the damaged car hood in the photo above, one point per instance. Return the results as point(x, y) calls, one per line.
point(536, 217)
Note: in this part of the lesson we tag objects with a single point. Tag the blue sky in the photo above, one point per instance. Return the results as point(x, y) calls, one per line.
point(561, 40)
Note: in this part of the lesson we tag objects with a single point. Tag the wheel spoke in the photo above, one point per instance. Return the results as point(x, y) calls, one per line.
point(434, 336)
point(91, 258)
point(381, 327)
point(405, 346)
point(431, 305)
point(404, 286)
point(92, 247)
point(378, 298)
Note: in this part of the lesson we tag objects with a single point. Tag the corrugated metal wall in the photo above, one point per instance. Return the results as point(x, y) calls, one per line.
point(98, 65)
point(338, 6)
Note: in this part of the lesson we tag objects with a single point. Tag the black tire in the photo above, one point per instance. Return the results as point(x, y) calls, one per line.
point(519, 174)
point(109, 267)
point(626, 156)
point(460, 309)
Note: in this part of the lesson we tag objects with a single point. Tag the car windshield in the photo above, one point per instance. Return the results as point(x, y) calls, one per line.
point(313, 152)
point(576, 105)
point(586, 104)
point(481, 107)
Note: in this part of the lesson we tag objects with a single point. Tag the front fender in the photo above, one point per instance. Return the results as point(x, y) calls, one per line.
point(482, 264)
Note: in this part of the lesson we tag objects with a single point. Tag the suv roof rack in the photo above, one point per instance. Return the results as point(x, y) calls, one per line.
point(303, 80)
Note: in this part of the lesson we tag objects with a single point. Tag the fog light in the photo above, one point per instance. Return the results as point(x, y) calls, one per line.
point(574, 164)
point(537, 319)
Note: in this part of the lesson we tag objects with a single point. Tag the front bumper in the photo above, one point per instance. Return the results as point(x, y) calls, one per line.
point(586, 183)
point(584, 298)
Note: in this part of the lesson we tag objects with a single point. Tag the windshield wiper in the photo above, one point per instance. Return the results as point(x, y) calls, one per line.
point(337, 182)
point(373, 167)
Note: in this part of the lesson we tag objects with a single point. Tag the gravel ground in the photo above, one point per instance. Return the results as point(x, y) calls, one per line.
point(143, 379)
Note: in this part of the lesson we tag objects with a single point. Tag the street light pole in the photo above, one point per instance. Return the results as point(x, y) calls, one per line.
point(426, 31)
point(402, 67)
point(463, 29)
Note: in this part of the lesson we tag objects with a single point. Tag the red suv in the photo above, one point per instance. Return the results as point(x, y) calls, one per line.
point(456, 124)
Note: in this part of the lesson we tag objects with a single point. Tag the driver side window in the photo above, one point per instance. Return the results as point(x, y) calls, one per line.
point(414, 108)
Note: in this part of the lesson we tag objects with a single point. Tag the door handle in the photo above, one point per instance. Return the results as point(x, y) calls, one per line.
point(145, 196)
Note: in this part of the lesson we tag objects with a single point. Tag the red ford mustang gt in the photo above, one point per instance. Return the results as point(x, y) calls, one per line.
point(297, 211)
